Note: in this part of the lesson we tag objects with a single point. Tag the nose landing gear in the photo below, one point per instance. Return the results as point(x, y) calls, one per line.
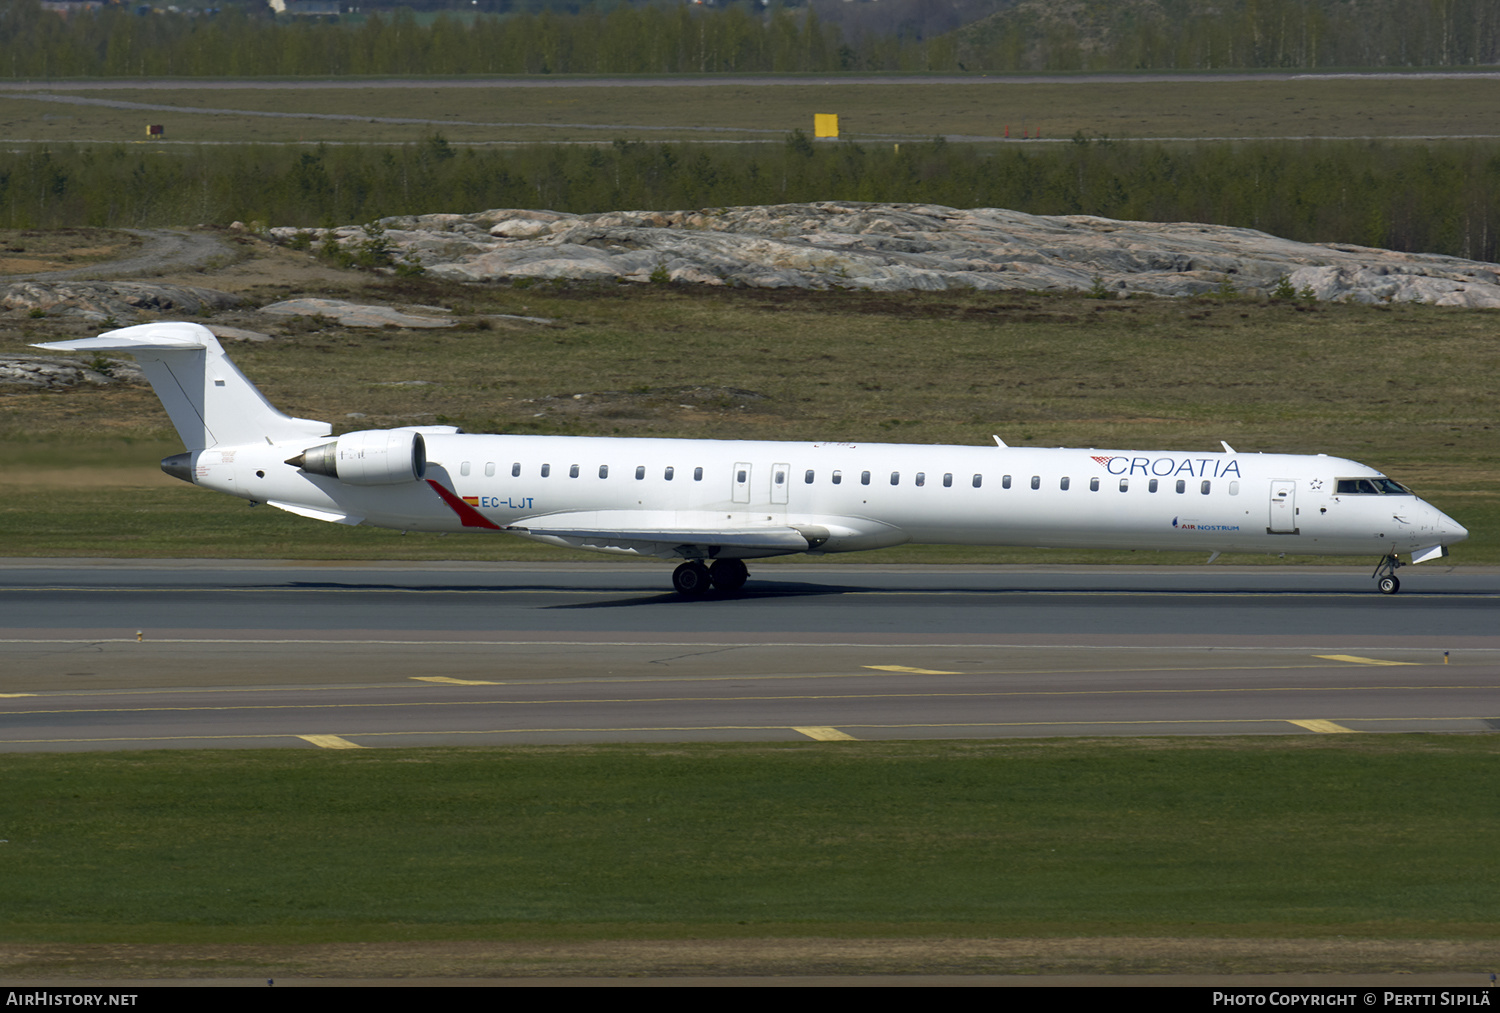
point(692, 579)
point(1385, 574)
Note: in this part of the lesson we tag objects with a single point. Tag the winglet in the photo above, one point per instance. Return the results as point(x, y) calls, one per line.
point(1227, 448)
point(1001, 443)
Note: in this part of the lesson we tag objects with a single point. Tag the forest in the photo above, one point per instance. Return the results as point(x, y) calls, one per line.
point(1432, 197)
point(744, 37)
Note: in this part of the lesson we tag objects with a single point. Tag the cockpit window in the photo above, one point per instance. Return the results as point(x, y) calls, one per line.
point(1371, 487)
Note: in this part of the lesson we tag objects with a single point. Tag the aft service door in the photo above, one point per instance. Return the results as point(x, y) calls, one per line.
point(1283, 507)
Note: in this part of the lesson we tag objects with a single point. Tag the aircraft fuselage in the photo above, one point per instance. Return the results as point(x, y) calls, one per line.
point(866, 495)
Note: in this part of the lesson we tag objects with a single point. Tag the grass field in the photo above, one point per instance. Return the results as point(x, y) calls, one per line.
point(1371, 837)
point(1346, 853)
point(891, 110)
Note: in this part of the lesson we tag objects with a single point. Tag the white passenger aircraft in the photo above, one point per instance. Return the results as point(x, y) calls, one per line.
point(714, 503)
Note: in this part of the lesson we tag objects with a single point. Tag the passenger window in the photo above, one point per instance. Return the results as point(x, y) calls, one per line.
point(1206, 484)
point(1234, 488)
point(1152, 486)
point(978, 481)
point(515, 470)
point(1036, 481)
point(808, 478)
point(546, 470)
point(603, 471)
point(1093, 485)
point(489, 469)
point(669, 473)
point(1063, 484)
point(1005, 482)
point(463, 469)
point(895, 478)
point(948, 480)
point(921, 478)
point(864, 478)
point(697, 474)
point(573, 471)
point(640, 472)
point(1181, 485)
point(1124, 485)
point(838, 476)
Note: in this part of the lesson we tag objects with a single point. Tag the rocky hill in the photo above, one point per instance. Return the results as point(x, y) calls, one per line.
point(890, 247)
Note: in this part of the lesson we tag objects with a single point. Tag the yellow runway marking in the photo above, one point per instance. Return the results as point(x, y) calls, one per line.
point(676, 729)
point(710, 679)
point(910, 671)
point(1361, 661)
point(330, 742)
point(455, 682)
point(1319, 725)
point(764, 698)
point(824, 734)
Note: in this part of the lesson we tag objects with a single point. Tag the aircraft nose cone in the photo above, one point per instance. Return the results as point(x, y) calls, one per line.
point(1449, 530)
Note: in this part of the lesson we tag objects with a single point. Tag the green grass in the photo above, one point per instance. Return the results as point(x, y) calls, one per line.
point(1366, 836)
point(899, 108)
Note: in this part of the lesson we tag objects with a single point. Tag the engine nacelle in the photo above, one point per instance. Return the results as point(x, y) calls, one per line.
point(371, 457)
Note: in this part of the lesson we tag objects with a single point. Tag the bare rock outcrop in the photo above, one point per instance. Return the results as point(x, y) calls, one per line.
point(46, 372)
point(887, 247)
point(353, 314)
point(101, 301)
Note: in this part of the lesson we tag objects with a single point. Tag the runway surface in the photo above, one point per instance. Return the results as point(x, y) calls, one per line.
point(122, 655)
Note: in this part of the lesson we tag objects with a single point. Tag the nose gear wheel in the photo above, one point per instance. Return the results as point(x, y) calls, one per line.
point(1385, 574)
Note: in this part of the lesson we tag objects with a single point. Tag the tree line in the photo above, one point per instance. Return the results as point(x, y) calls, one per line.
point(1236, 34)
point(1439, 197)
point(743, 37)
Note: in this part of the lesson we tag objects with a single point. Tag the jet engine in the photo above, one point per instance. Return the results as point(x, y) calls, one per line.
point(371, 457)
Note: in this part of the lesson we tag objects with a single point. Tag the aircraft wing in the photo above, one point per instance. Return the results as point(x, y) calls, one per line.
point(644, 533)
point(770, 540)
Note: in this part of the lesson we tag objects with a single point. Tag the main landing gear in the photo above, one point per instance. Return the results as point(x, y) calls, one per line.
point(692, 579)
point(1385, 574)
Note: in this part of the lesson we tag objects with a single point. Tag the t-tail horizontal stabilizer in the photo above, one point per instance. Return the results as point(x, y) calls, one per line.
point(209, 400)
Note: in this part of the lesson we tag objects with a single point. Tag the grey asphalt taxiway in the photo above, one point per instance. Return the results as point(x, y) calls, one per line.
point(122, 655)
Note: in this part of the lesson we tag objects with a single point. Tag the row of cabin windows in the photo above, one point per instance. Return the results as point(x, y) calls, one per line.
point(920, 479)
point(573, 471)
point(1204, 487)
point(1154, 485)
point(864, 478)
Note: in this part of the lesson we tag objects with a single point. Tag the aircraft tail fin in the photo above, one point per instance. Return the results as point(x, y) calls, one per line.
point(208, 399)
